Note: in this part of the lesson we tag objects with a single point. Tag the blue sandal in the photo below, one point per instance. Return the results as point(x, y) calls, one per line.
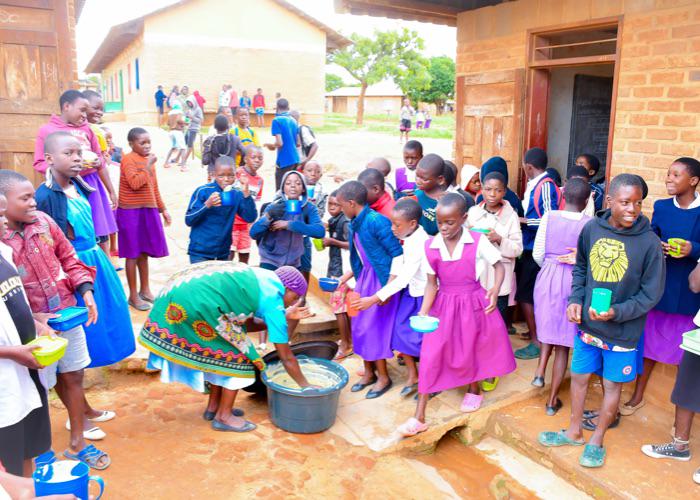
point(552, 439)
point(90, 456)
point(593, 456)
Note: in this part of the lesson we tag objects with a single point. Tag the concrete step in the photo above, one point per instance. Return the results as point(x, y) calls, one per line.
point(627, 473)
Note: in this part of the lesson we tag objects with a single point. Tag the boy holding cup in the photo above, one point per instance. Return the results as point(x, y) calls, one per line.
point(617, 251)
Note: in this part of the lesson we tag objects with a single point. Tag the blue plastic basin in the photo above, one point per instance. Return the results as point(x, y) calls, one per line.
point(328, 284)
point(305, 411)
point(69, 318)
point(424, 324)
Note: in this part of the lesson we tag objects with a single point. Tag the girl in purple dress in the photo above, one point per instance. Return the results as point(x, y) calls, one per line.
point(555, 252)
point(471, 342)
point(372, 248)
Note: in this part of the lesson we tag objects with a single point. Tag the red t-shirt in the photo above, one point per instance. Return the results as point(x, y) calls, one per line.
point(255, 184)
point(384, 205)
point(234, 99)
point(258, 101)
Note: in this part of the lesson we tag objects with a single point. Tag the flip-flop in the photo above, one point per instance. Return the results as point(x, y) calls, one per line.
point(209, 415)
point(589, 425)
point(557, 438)
point(92, 434)
point(626, 410)
point(471, 402)
point(342, 355)
point(593, 456)
point(411, 427)
point(408, 390)
point(105, 416)
point(146, 299)
point(372, 394)
point(90, 456)
point(144, 306)
point(220, 426)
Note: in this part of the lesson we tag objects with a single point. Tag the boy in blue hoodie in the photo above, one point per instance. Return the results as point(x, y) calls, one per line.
point(620, 252)
point(279, 233)
point(210, 214)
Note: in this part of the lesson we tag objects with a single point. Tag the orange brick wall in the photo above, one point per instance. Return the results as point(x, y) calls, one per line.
point(659, 81)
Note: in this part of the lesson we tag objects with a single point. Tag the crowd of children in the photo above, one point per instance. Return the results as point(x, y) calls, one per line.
point(418, 243)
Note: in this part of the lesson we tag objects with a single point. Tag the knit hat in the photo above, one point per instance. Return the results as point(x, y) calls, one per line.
point(291, 278)
point(537, 158)
point(467, 173)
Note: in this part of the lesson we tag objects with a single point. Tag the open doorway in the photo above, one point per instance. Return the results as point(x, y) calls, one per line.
point(572, 88)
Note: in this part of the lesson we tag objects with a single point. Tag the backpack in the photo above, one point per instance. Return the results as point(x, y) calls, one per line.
point(538, 194)
point(305, 148)
point(209, 156)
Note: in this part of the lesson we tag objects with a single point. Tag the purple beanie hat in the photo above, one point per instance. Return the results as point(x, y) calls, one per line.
point(291, 278)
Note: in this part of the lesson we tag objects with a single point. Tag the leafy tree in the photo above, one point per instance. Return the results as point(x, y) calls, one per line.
point(388, 54)
point(442, 83)
point(333, 82)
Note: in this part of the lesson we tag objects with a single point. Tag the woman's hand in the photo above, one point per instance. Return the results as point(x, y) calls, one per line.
point(364, 303)
point(573, 313)
point(214, 200)
point(279, 225)
point(297, 311)
point(166, 218)
point(91, 307)
point(604, 316)
point(569, 258)
point(492, 297)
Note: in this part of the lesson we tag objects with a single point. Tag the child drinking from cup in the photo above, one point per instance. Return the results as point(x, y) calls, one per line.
point(470, 343)
point(676, 221)
point(240, 236)
point(555, 253)
point(617, 251)
point(212, 210)
point(138, 217)
point(373, 246)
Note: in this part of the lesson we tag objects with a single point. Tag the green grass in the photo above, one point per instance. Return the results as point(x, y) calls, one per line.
point(442, 127)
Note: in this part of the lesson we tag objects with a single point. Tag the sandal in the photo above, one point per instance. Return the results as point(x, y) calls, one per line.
point(530, 351)
point(220, 426)
point(487, 386)
point(105, 416)
point(589, 425)
point(143, 306)
point(593, 456)
point(342, 355)
point(411, 427)
point(553, 439)
point(91, 434)
point(537, 381)
point(145, 298)
point(360, 386)
point(552, 410)
point(408, 390)
point(626, 410)
point(90, 456)
point(209, 415)
point(471, 402)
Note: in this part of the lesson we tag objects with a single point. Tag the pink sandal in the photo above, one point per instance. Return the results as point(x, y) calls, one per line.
point(471, 402)
point(411, 427)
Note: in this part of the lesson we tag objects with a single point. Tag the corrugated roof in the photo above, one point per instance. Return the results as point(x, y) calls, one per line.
point(121, 35)
point(382, 89)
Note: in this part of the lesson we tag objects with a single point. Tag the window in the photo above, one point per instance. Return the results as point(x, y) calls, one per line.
point(136, 71)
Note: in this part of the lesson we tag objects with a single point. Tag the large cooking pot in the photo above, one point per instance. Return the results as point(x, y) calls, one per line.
point(324, 349)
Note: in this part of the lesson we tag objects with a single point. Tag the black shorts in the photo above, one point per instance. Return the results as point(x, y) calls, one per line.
point(190, 137)
point(685, 393)
point(405, 125)
point(526, 270)
point(28, 438)
point(234, 110)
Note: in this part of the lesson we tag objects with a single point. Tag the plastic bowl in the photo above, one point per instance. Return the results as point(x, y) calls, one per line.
point(69, 318)
point(424, 324)
point(480, 230)
point(328, 284)
point(318, 244)
point(50, 350)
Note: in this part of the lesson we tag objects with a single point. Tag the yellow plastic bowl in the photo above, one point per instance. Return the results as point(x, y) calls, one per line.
point(50, 350)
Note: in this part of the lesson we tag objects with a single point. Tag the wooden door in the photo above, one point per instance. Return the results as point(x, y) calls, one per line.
point(489, 111)
point(36, 66)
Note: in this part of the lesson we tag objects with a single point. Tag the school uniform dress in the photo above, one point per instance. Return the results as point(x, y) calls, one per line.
point(468, 345)
point(405, 180)
point(673, 315)
point(111, 339)
point(140, 206)
point(558, 232)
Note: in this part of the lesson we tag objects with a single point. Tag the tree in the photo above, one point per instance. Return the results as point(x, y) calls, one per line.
point(388, 54)
point(442, 83)
point(333, 82)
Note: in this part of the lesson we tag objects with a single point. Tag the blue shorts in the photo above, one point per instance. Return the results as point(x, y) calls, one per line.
point(616, 366)
point(260, 111)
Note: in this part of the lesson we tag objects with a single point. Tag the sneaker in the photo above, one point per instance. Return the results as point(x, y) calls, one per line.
point(696, 476)
point(667, 450)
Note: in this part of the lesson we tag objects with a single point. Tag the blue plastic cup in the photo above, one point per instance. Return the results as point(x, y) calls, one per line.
point(310, 191)
point(227, 198)
point(293, 207)
point(76, 483)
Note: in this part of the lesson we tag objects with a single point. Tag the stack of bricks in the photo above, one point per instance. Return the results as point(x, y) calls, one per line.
point(658, 100)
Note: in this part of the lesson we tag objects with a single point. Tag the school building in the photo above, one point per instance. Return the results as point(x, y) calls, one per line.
point(37, 50)
point(383, 98)
point(618, 78)
point(204, 44)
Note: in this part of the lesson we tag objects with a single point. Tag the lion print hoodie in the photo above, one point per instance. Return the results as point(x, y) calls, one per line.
point(627, 261)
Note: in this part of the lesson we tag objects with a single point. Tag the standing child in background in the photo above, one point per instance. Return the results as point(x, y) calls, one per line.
point(338, 264)
point(73, 119)
point(592, 165)
point(286, 133)
point(52, 276)
point(495, 215)
point(407, 279)
point(196, 117)
point(244, 102)
point(222, 143)
point(113, 159)
point(577, 172)
point(619, 251)
point(428, 118)
point(64, 197)
point(308, 147)
point(372, 249)
point(244, 133)
point(259, 107)
point(555, 253)
point(140, 206)
point(406, 115)
point(675, 217)
point(384, 167)
point(430, 180)
point(406, 176)
point(541, 196)
point(471, 180)
point(379, 200)
point(210, 219)
point(420, 119)
point(240, 236)
point(470, 343)
point(178, 146)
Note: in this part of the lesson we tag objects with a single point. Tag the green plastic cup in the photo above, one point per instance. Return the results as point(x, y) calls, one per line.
point(480, 230)
point(318, 244)
point(601, 300)
point(675, 250)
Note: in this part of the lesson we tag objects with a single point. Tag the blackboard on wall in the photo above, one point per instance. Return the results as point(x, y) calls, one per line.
point(590, 119)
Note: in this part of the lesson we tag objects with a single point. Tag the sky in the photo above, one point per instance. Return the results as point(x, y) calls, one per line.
point(99, 16)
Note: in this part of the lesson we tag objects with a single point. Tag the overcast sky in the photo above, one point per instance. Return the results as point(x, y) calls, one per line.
point(100, 15)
